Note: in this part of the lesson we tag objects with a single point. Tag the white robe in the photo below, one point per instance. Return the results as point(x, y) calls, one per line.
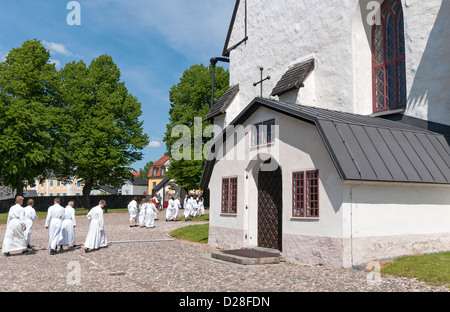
point(67, 236)
point(187, 208)
point(171, 209)
point(30, 217)
point(201, 206)
point(55, 217)
point(177, 207)
point(96, 236)
point(14, 236)
point(152, 212)
point(133, 210)
point(194, 205)
point(142, 213)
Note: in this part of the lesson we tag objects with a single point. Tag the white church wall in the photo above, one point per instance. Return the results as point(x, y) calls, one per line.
point(389, 220)
point(337, 35)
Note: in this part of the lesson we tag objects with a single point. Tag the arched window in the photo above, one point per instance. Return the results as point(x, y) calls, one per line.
point(388, 54)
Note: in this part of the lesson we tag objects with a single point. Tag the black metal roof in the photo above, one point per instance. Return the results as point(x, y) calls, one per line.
point(222, 104)
point(294, 78)
point(366, 148)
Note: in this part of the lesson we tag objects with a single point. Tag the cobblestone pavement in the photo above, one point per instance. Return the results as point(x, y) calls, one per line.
point(160, 264)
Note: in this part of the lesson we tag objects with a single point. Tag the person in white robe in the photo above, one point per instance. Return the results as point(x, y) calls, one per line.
point(142, 212)
point(14, 239)
point(133, 211)
point(171, 210)
point(177, 207)
point(201, 205)
point(53, 223)
point(96, 237)
point(187, 208)
point(67, 236)
point(194, 205)
point(152, 212)
point(30, 217)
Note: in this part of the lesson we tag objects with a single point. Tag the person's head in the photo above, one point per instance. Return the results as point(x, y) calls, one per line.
point(102, 203)
point(30, 202)
point(143, 201)
point(187, 196)
point(57, 200)
point(71, 204)
point(172, 198)
point(134, 198)
point(19, 200)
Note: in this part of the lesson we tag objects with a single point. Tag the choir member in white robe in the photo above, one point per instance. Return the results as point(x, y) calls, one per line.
point(187, 208)
point(194, 206)
point(133, 211)
point(67, 236)
point(170, 212)
point(152, 212)
point(30, 217)
point(14, 239)
point(96, 237)
point(201, 206)
point(53, 223)
point(142, 212)
point(177, 207)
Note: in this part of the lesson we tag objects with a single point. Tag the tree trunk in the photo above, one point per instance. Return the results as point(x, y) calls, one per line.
point(87, 188)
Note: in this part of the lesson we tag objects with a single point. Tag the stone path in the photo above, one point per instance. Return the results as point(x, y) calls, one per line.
point(160, 264)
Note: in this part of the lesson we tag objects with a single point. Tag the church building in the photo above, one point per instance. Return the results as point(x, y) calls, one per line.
point(332, 143)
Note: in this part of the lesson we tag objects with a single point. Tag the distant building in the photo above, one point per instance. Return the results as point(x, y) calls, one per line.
point(6, 193)
point(158, 172)
point(54, 187)
point(135, 186)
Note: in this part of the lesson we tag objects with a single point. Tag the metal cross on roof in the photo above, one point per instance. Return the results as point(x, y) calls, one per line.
point(262, 80)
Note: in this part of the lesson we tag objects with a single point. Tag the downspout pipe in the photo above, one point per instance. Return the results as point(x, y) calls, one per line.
point(214, 61)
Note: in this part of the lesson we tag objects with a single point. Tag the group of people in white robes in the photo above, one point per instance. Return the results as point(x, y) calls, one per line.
point(60, 223)
point(193, 206)
point(173, 207)
point(143, 214)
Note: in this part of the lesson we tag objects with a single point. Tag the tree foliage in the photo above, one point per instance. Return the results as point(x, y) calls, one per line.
point(29, 110)
point(191, 98)
point(78, 122)
point(102, 131)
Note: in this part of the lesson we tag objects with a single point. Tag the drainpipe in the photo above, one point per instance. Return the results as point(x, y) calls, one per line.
point(214, 61)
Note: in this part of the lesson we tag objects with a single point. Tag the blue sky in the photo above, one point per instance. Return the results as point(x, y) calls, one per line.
point(152, 41)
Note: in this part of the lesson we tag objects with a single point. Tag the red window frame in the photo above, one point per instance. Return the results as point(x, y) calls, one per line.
point(305, 194)
point(388, 58)
point(229, 195)
point(263, 133)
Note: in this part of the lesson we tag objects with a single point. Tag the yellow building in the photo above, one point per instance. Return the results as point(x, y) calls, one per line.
point(157, 173)
point(54, 187)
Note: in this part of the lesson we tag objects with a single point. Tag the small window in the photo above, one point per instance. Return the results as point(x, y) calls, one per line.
point(51, 183)
point(263, 133)
point(229, 195)
point(305, 193)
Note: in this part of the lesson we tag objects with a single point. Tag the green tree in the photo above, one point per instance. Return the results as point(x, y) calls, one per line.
point(189, 99)
point(29, 110)
point(143, 172)
point(103, 135)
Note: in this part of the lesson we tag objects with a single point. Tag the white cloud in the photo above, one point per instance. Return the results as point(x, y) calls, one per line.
point(56, 62)
point(56, 48)
point(154, 144)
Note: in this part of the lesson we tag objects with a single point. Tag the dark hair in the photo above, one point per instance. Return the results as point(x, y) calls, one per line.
point(57, 200)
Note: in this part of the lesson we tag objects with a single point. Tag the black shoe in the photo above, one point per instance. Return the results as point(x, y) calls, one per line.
point(52, 251)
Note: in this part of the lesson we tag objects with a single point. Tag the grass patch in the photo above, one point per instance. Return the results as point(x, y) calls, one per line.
point(431, 268)
point(193, 233)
